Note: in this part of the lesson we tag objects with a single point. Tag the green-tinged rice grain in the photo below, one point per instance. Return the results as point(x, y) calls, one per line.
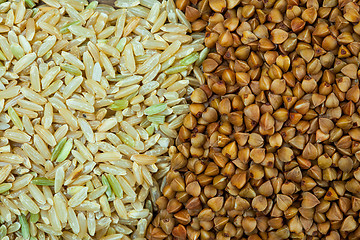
point(30, 3)
point(155, 109)
point(92, 5)
point(34, 218)
point(125, 138)
point(25, 229)
point(65, 150)
point(119, 105)
point(121, 44)
point(71, 69)
point(156, 119)
point(58, 148)
point(17, 136)
point(17, 50)
point(65, 28)
point(2, 56)
point(115, 185)
point(15, 118)
point(175, 69)
point(106, 183)
point(190, 59)
point(150, 130)
point(43, 181)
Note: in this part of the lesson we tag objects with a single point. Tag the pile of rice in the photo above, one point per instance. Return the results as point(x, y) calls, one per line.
point(91, 98)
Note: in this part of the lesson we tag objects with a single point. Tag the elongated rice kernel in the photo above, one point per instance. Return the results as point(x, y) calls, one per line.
point(17, 50)
point(155, 44)
point(127, 91)
point(65, 28)
point(29, 204)
point(106, 183)
point(17, 136)
point(33, 96)
point(60, 208)
point(121, 44)
point(78, 197)
point(115, 186)
point(170, 51)
point(182, 18)
point(126, 186)
point(59, 179)
point(190, 59)
point(43, 181)
point(49, 29)
point(10, 92)
point(149, 64)
point(36, 193)
point(25, 229)
point(49, 76)
point(15, 118)
point(107, 64)
point(175, 69)
point(155, 109)
point(4, 172)
point(34, 155)
point(119, 105)
point(69, 118)
point(45, 134)
point(10, 205)
point(48, 229)
point(159, 22)
point(120, 208)
point(5, 47)
point(143, 159)
point(73, 60)
point(120, 23)
point(65, 150)
point(87, 130)
point(4, 187)
point(71, 69)
point(129, 56)
point(73, 221)
point(24, 62)
point(30, 4)
point(131, 25)
point(47, 45)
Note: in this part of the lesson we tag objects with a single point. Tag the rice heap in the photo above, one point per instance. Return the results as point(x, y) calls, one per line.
point(91, 98)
